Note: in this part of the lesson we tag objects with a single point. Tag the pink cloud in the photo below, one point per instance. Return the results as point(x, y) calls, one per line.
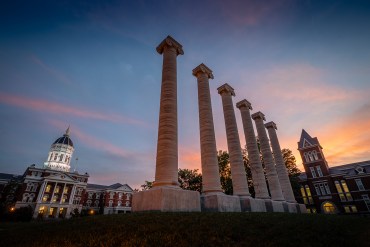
point(52, 107)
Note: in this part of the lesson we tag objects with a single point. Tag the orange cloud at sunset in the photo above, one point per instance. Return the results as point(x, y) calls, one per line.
point(52, 107)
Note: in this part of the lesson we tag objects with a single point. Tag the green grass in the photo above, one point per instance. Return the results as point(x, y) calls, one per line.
point(192, 229)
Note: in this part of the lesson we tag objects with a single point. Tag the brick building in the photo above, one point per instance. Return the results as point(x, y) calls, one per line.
point(341, 189)
point(54, 192)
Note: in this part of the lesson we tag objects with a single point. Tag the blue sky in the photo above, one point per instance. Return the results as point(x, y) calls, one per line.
point(93, 65)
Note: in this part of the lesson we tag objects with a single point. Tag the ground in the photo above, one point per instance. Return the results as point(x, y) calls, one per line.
point(192, 229)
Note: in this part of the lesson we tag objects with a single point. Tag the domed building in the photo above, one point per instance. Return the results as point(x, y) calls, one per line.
point(60, 153)
point(53, 191)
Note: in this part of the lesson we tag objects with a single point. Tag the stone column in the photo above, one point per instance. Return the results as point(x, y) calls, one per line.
point(280, 164)
point(208, 150)
point(258, 175)
point(167, 150)
point(272, 177)
point(166, 195)
point(240, 184)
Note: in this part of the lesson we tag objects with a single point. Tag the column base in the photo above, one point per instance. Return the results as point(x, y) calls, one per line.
point(293, 207)
point(166, 199)
point(249, 204)
point(276, 206)
point(220, 203)
point(301, 208)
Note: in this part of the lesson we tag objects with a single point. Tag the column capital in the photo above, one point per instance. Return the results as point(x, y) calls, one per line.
point(226, 88)
point(171, 42)
point(202, 68)
point(258, 115)
point(244, 103)
point(270, 125)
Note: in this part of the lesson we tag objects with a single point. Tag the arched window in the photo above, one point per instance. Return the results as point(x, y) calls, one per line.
point(329, 208)
point(110, 203)
point(29, 186)
point(111, 195)
point(311, 156)
point(315, 155)
point(119, 203)
point(96, 203)
point(308, 192)
point(128, 196)
point(30, 198)
point(127, 203)
point(25, 197)
point(306, 157)
point(48, 188)
point(119, 195)
point(88, 203)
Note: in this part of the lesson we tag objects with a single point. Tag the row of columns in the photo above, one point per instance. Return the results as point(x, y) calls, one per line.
point(277, 176)
point(166, 194)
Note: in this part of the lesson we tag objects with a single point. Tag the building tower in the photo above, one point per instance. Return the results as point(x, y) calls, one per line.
point(60, 153)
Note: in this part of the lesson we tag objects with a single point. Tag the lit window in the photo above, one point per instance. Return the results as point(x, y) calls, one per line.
point(55, 198)
point(313, 172)
point(329, 208)
point(45, 198)
point(346, 209)
point(304, 195)
point(318, 168)
point(345, 188)
point(359, 184)
point(308, 191)
point(354, 209)
point(48, 188)
point(65, 190)
point(64, 198)
point(57, 189)
point(340, 191)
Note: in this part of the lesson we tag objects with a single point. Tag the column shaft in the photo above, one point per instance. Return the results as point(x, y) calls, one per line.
point(272, 177)
point(210, 169)
point(167, 151)
point(258, 175)
point(240, 183)
point(280, 164)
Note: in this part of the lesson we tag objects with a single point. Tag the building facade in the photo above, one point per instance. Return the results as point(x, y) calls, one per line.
point(342, 189)
point(53, 191)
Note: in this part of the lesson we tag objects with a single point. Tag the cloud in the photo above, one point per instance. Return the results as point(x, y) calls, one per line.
point(52, 107)
point(55, 73)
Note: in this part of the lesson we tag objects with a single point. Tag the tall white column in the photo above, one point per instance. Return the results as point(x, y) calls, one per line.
point(272, 177)
point(166, 173)
point(210, 170)
point(280, 164)
point(258, 175)
point(240, 184)
point(41, 192)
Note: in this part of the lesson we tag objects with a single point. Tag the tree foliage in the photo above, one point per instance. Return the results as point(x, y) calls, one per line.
point(293, 170)
point(225, 172)
point(190, 179)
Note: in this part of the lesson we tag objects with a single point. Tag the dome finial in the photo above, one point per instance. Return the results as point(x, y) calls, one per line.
point(68, 131)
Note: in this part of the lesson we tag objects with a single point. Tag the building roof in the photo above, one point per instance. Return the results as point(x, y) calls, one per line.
point(65, 139)
point(308, 138)
point(101, 187)
point(7, 176)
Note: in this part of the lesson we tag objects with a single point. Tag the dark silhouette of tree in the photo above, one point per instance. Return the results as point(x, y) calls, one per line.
point(190, 179)
point(225, 172)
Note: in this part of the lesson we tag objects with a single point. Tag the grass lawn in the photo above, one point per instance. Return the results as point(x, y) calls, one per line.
point(192, 229)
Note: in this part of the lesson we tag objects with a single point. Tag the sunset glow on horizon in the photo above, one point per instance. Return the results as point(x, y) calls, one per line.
point(93, 65)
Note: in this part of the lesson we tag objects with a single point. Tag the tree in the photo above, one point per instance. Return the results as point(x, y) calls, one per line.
point(293, 170)
point(190, 179)
point(146, 186)
point(225, 172)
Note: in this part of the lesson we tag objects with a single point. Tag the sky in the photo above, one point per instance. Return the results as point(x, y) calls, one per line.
point(93, 65)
